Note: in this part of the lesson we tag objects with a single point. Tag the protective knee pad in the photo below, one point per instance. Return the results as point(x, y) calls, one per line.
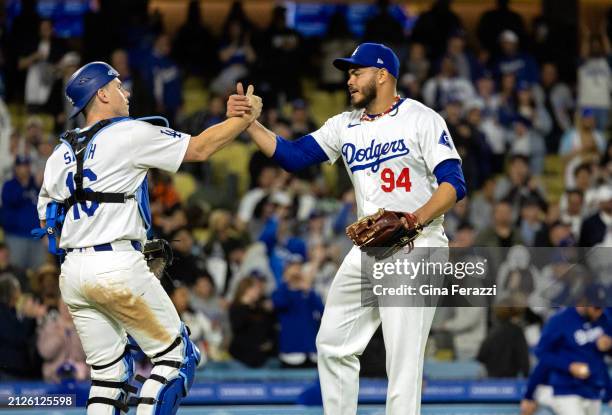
point(110, 386)
point(171, 378)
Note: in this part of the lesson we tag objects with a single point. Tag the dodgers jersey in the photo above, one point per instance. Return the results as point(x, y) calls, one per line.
point(390, 160)
point(116, 160)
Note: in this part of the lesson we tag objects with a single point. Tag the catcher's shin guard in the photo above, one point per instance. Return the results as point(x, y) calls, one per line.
point(110, 386)
point(171, 378)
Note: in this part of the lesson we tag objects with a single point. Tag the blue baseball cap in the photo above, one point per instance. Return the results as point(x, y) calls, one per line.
point(587, 112)
point(371, 54)
point(85, 82)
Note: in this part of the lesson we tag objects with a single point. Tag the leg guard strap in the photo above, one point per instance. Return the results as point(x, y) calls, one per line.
point(171, 377)
point(122, 406)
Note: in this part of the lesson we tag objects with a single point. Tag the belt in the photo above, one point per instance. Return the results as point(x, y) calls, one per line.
point(111, 246)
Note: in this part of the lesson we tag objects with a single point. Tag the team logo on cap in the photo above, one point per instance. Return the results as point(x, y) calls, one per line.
point(356, 49)
point(112, 72)
point(380, 61)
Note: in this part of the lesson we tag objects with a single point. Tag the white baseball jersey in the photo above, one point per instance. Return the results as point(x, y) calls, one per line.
point(391, 159)
point(117, 161)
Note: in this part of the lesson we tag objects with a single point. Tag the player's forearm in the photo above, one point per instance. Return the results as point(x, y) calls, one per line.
point(441, 201)
point(263, 138)
point(209, 141)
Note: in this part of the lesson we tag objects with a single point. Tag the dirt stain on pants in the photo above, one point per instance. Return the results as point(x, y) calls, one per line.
point(128, 308)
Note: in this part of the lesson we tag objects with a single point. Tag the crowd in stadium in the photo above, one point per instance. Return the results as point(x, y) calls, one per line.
point(253, 262)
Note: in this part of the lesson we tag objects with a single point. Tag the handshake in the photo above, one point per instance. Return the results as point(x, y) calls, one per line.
point(246, 106)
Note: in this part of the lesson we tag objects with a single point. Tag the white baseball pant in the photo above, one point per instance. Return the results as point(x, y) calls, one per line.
point(575, 405)
point(108, 294)
point(346, 329)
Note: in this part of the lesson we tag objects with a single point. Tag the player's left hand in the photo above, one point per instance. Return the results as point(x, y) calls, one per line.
point(238, 104)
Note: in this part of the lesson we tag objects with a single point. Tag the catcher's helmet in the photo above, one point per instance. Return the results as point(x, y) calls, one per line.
point(85, 82)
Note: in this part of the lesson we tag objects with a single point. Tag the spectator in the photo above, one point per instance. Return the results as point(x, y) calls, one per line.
point(186, 267)
point(467, 142)
point(20, 216)
point(417, 65)
point(6, 267)
point(60, 347)
point(301, 122)
point(597, 228)
point(467, 326)
point(456, 49)
point(280, 239)
point(204, 299)
point(45, 286)
point(382, 27)
point(504, 352)
point(502, 232)
point(6, 155)
point(164, 79)
point(142, 102)
point(527, 106)
point(193, 40)
point(434, 27)
point(583, 180)
point(281, 60)
point(236, 55)
point(446, 85)
point(481, 206)
point(201, 329)
point(493, 22)
point(338, 41)
point(572, 211)
point(212, 113)
point(595, 77)
point(254, 207)
point(531, 220)
point(252, 325)
point(519, 185)
point(525, 141)
point(581, 144)
point(39, 58)
point(58, 106)
point(456, 217)
point(506, 100)
point(18, 357)
point(513, 60)
point(557, 98)
point(479, 129)
point(299, 309)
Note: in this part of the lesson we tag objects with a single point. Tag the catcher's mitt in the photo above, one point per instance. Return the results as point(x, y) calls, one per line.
point(385, 232)
point(158, 254)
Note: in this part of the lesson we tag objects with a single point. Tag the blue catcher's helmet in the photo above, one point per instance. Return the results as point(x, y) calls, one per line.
point(84, 83)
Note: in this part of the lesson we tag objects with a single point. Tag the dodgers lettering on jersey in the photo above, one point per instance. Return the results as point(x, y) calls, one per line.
point(390, 160)
point(117, 161)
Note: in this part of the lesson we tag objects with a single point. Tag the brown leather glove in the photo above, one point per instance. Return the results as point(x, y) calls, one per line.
point(385, 232)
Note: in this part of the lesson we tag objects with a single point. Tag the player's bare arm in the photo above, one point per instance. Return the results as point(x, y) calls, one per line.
point(238, 105)
point(443, 199)
point(202, 146)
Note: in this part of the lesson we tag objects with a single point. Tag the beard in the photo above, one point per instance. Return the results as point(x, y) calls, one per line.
point(369, 94)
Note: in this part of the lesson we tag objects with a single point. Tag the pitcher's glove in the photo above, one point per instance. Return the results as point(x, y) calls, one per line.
point(385, 232)
point(158, 255)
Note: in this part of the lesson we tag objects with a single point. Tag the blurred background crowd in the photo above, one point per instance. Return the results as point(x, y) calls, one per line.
point(527, 102)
